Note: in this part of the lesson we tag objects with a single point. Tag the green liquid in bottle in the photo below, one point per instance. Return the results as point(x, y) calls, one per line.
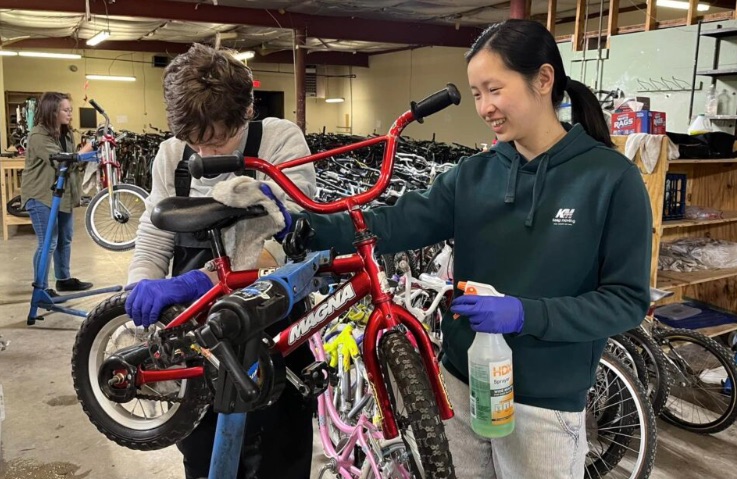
point(490, 382)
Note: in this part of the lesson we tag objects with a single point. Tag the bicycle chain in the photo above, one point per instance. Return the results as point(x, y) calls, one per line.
point(169, 398)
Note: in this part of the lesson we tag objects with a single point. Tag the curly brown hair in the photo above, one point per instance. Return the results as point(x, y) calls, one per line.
point(206, 86)
point(47, 112)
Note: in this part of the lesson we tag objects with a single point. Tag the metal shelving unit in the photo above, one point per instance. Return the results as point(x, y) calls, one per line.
point(715, 72)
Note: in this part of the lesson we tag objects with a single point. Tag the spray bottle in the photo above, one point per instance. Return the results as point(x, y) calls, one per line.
point(490, 376)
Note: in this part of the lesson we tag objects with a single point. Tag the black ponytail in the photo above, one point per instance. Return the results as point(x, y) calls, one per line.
point(586, 110)
point(524, 46)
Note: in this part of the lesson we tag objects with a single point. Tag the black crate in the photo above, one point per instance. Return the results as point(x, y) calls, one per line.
point(674, 206)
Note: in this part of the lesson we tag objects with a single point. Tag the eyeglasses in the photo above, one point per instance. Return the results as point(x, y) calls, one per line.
point(67, 110)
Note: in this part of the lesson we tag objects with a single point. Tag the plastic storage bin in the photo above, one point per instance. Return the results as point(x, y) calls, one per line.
point(674, 207)
point(707, 316)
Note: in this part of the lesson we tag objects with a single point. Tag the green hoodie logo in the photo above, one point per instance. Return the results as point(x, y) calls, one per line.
point(564, 217)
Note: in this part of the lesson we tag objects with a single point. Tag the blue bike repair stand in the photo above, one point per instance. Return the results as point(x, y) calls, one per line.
point(40, 298)
point(226, 452)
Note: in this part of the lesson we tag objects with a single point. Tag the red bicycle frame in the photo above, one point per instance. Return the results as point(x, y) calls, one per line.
point(365, 280)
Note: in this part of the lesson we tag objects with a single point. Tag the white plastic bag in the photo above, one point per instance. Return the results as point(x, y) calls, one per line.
point(693, 254)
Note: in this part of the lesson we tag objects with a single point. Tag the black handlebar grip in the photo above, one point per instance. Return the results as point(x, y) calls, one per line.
point(214, 165)
point(97, 107)
point(436, 102)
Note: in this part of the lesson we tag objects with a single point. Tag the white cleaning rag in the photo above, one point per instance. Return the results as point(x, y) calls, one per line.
point(244, 240)
point(649, 147)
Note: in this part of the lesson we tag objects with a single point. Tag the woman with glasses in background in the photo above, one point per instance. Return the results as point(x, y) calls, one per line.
point(52, 135)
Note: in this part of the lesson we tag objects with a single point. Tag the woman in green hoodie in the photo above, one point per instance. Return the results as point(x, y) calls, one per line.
point(52, 135)
point(552, 217)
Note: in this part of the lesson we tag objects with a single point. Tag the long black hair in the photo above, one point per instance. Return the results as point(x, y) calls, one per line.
point(524, 46)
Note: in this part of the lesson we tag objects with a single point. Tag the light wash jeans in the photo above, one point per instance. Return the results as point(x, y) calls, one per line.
point(61, 240)
point(545, 444)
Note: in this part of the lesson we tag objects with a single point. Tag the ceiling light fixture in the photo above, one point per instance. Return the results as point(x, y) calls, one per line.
point(64, 56)
point(338, 99)
point(98, 38)
point(6, 53)
point(110, 78)
point(681, 5)
point(247, 55)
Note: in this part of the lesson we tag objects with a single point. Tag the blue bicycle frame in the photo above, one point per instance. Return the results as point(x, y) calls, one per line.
point(299, 280)
point(41, 299)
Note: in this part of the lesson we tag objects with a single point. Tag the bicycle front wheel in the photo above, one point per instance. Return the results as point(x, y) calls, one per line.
point(620, 424)
point(114, 228)
point(422, 431)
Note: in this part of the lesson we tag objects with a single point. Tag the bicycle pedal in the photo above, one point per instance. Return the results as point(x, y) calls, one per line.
point(316, 377)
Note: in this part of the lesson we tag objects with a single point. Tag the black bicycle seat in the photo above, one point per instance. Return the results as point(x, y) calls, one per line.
point(180, 214)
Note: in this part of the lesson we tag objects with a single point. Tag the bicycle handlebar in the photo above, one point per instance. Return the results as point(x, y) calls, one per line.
point(214, 165)
point(435, 102)
point(104, 115)
point(199, 166)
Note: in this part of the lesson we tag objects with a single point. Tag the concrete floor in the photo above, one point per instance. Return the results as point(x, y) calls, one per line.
point(46, 435)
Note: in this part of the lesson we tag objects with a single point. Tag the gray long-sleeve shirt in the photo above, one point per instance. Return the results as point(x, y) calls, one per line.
point(281, 141)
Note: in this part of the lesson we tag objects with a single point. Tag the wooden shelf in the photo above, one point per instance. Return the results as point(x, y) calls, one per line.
point(713, 331)
point(673, 279)
point(697, 160)
point(727, 217)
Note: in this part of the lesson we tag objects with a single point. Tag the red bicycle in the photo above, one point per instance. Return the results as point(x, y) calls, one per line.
point(148, 389)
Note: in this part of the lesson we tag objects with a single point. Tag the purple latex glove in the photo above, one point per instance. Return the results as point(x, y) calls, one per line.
point(265, 189)
point(151, 296)
point(491, 314)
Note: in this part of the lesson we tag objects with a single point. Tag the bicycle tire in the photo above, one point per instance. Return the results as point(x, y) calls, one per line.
point(609, 462)
point(15, 207)
point(109, 233)
point(658, 376)
point(671, 412)
point(111, 418)
point(403, 366)
point(628, 352)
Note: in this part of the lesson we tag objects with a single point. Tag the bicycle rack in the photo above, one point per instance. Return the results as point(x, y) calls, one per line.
point(40, 299)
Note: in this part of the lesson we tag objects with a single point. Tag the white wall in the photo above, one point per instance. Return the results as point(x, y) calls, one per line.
point(384, 91)
point(132, 106)
point(661, 53)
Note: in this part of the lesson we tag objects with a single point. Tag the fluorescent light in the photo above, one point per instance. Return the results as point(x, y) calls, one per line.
point(247, 55)
point(67, 56)
point(335, 100)
point(98, 38)
point(110, 78)
point(6, 53)
point(680, 4)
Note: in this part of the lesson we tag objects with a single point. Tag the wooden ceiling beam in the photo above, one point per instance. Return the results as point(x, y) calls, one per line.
point(552, 10)
point(651, 16)
point(613, 23)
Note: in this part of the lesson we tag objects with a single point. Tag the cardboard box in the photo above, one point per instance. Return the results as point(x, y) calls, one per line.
point(644, 121)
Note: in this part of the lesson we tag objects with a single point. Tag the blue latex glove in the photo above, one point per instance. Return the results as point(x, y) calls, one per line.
point(151, 296)
point(287, 217)
point(491, 314)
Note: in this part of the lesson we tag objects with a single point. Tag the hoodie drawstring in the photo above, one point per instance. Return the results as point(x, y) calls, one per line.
point(512, 180)
point(537, 187)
